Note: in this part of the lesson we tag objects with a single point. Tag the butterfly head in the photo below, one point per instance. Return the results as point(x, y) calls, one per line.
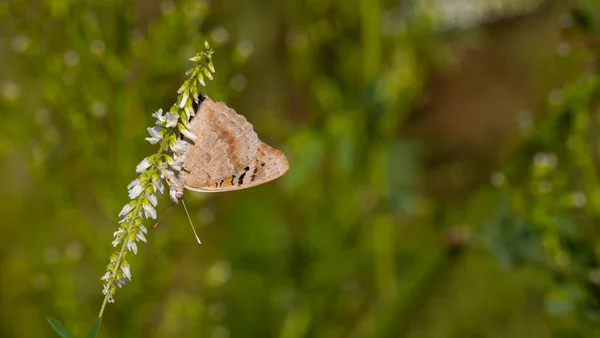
point(198, 101)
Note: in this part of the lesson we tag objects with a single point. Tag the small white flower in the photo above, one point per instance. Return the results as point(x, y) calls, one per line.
point(176, 162)
point(140, 237)
point(121, 282)
point(119, 233)
point(185, 121)
point(131, 246)
point(106, 288)
point(208, 74)
point(143, 228)
point(152, 140)
point(133, 183)
point(142, 166)
point(155, 135)
point(158, 185)
point(189, 111)
point(136, 191)
point(173, 195)
point(184, 98)
point(116, 242)
point(126, 268)
point(186, 132)
point(154, 131)
point(105, 277)
point(180, 147)
point(201, 80)
point(160, 119)
point(165, 173)
point(149, 211)
point(126, 209)
point(172, 120)
point(152, 198)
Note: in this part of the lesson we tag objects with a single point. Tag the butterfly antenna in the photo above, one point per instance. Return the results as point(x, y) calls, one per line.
point(163, 215)
point(190, 219)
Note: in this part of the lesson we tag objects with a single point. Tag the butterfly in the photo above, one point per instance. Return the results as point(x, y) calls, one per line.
point(227, 154)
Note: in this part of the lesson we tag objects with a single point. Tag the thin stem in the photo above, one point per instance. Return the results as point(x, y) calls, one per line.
point(103, 305)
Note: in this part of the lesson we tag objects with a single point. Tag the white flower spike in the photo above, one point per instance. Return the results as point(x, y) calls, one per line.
point(151, 171)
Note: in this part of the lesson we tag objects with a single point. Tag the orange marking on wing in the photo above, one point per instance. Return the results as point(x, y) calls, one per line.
point(228, 180)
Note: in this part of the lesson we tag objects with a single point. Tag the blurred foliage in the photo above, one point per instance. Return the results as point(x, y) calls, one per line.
point(351, 242)
point(549, 198)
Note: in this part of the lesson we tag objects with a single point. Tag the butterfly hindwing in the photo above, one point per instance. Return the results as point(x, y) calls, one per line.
point(268, 165)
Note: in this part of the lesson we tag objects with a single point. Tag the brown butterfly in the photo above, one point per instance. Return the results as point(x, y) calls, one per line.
point(226, 154)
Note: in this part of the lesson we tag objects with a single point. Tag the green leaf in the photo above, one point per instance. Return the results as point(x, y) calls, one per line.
point(95, 328)
point(59, 328)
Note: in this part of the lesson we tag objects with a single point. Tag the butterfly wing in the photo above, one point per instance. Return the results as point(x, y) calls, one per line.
point(225, 142)
point(268, 165)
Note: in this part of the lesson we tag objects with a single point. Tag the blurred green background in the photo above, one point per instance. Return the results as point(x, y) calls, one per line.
point(443, 182)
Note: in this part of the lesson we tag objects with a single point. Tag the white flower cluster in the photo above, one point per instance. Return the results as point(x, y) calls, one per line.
point(176, 148)
point(152, 170)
